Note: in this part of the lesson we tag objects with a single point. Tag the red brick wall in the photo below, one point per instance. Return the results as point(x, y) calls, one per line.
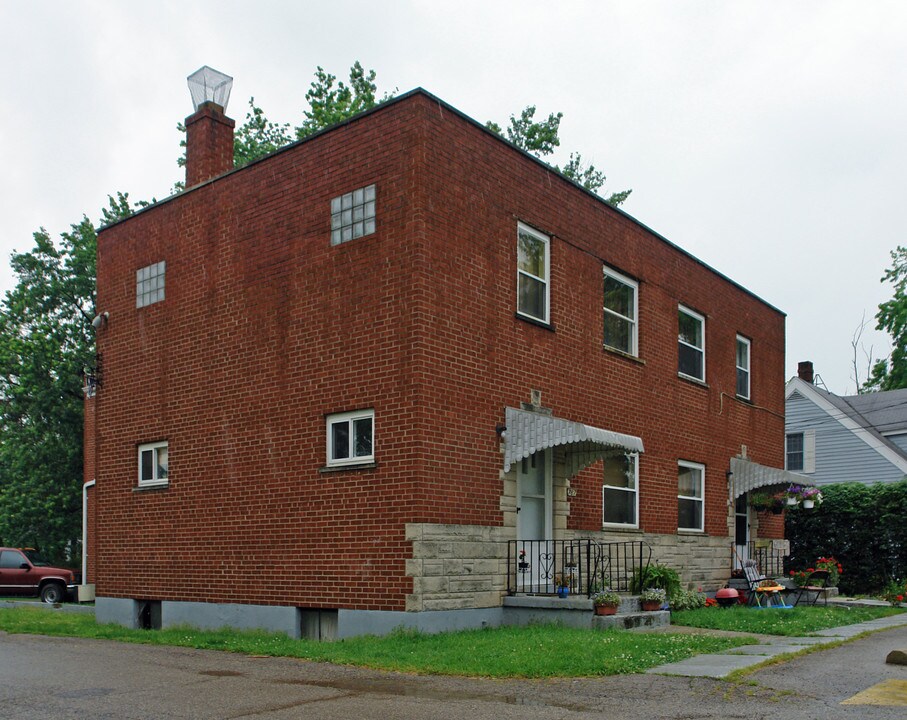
point(492, 359)
point(266, 328)
point(209, 144)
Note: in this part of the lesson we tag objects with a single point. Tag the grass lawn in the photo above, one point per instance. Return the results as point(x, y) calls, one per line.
point(530, 652)
point(798, 621)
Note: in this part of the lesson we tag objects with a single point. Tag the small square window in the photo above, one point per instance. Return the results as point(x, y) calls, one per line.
point(149, 284)
point(351, 438)
point(353, 215)
point(153, 464)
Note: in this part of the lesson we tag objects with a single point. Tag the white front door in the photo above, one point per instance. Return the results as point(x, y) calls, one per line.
point(533, 488)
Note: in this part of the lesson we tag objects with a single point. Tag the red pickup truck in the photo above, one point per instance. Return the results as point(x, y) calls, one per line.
point(24, 572)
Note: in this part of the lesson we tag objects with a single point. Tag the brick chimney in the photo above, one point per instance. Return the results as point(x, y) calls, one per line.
point(209, 143)
point(209, 132)
point(805, 371)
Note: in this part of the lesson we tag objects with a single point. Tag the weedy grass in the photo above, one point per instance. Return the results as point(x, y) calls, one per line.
point(793, 622)
point(538, 651)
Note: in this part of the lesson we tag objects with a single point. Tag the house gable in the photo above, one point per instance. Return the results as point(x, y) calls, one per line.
point(846, 450)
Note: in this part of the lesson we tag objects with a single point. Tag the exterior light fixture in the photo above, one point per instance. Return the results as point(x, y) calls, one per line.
point(208, 85)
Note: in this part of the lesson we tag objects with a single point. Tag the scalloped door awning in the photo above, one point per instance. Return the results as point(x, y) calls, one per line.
point(748, 475)
point(528, 432)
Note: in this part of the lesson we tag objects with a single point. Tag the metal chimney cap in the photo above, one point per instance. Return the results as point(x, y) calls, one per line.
point(208, 85)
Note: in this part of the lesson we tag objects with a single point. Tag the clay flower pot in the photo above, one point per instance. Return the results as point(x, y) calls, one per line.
point(650, 605)
point(606, 609)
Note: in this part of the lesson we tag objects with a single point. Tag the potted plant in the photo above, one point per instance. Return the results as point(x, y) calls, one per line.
point(606, 602)
point(763, 502)
point(523, 564)
point(793, 494)
point(562, 583)
point(653, 598)
point(811, 496)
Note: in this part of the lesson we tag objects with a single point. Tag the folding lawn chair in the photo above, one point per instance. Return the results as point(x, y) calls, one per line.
point(753, 578)
point(816, 582)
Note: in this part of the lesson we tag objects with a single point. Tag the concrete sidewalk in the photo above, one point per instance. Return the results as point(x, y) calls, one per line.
point(765, 647)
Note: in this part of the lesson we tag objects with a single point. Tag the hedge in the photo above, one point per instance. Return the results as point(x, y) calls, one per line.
point(863, 526)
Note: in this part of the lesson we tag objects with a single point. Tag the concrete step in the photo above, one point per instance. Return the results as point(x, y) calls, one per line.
point(577, 611)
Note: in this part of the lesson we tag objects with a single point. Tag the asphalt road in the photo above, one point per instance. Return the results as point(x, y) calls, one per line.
point(74, 678)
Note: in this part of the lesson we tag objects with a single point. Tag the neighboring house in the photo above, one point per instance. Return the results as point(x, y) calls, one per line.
point(854, 438)
point(345, 385)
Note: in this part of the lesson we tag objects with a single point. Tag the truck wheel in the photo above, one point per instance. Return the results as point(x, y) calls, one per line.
point(52, 593)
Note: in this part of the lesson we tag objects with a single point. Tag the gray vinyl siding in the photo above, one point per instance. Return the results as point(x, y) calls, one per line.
point(841, 456)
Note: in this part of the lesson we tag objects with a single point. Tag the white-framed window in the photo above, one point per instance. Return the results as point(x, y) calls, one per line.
point(353, 215)
point(153, 464)
point(620, 491)
point(690, 343)
point(621, 305)
point(743, 367)
point(690, 496)
point(351, 438)
point(149, 284)
point(533, 252)
point(794, 452)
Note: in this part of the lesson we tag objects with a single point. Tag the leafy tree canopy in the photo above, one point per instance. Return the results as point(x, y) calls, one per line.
point(891, 373)
point(541, 138)
point(331, 101)
point(46, 341)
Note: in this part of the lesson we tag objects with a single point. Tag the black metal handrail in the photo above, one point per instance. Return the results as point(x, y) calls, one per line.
point(769, 561)
point(541, 567)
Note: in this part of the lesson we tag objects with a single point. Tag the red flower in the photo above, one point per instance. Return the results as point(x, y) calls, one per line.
point(792, 573)
point(900, 598)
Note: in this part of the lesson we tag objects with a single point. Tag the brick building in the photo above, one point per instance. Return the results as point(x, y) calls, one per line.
point(342, 384)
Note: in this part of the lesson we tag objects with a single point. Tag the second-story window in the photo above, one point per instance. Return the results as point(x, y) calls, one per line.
point(743, 368)
point(691, 344)
point(620, 312)
point(532, 273)
point(794, 452)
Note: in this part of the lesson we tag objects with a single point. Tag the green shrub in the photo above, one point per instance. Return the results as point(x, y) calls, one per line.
point(656, 576)
point(860, 525)
point(687, 600)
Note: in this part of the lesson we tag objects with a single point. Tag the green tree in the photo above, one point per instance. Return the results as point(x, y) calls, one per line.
point(329, 105)
point(331, 101)
point(46, 341)
point(891, 373)
point(541, 138)
point(258, 136)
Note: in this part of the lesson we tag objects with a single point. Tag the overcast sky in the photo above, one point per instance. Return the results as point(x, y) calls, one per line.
point(767, 139)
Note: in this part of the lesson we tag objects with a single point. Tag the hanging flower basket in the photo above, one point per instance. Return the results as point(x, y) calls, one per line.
point(811, 496)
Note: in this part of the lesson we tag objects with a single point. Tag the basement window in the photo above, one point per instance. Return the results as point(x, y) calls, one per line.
point(149, 284)
point(353, 215)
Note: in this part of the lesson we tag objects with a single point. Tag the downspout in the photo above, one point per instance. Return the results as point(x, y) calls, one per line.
point(85, 487)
